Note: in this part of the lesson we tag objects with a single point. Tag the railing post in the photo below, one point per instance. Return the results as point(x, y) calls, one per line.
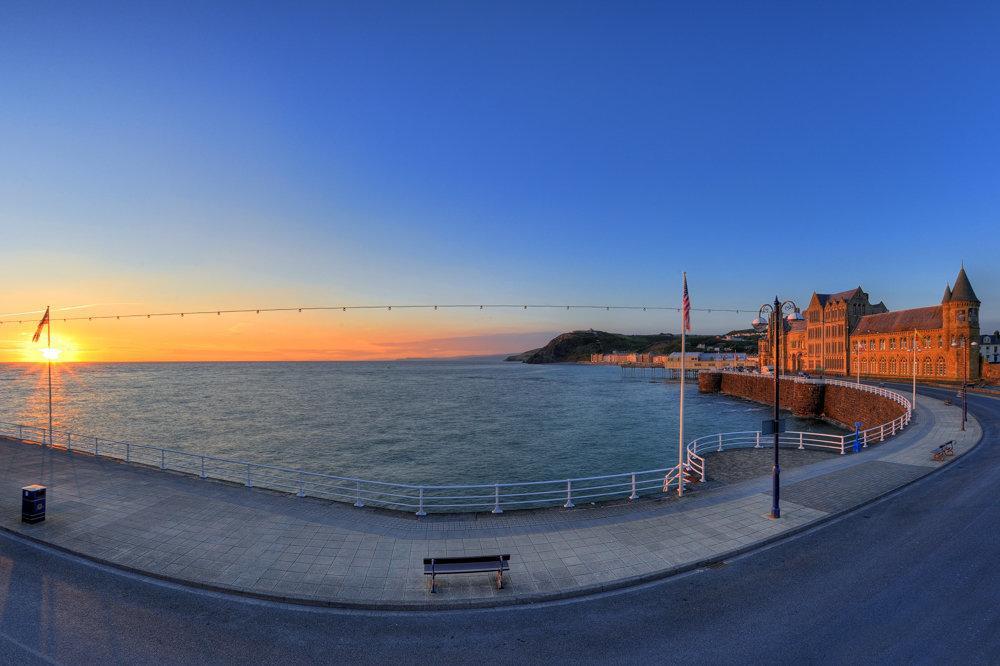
point(881, 431)
point(894, 428)
point(420, 509)
point(128, 452)
point(720, 441)
point(569, 495)
point(634, 495)
point(757, 445)
point(69, 442)
point(801, 439)
point(496, 499)
point(864, 439)
point(97, 447)
point(357, 495)
point(19, 435)
point(203, 467)
point(302, 487)
point(249, 478)
point(163, 459)
point(841, 445)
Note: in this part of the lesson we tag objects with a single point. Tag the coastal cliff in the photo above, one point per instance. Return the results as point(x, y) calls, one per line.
point(577, 346)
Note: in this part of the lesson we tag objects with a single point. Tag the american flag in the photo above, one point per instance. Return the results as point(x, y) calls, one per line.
point(686, 305)
point(41, 325)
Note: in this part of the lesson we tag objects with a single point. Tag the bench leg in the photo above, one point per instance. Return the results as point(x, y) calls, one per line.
point(432, 584)
point(499, 579)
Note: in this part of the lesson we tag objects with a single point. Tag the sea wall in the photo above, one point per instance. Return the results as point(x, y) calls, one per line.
point(841, 404)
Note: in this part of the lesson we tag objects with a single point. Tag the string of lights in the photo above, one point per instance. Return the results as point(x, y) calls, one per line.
point(388, 308)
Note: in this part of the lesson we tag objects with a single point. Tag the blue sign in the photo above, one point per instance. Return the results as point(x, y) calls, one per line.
point(857, 437)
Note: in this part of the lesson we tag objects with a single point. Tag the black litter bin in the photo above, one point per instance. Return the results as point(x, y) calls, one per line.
point(33, 504)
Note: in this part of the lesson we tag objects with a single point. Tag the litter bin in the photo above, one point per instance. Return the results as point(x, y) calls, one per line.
point(33, 504)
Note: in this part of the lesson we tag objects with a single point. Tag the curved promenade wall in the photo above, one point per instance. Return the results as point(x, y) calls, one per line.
point(840, 404)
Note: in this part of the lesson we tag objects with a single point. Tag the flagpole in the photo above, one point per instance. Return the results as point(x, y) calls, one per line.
point(680, 442)
point(48, 329)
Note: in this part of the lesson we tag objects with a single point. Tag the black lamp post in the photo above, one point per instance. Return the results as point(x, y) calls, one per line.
point(965, 381)
point(775, 313)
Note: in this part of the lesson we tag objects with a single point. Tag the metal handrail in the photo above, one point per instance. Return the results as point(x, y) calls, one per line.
point(815, 440)
point(424, 498)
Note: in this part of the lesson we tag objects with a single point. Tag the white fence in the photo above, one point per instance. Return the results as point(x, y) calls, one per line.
point(803, 440)
point(422, 499)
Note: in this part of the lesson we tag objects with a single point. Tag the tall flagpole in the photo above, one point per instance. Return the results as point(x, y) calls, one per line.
point(680, 442)
point(48, 329)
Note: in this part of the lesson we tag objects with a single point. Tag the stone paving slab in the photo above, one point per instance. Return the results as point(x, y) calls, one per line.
point(270, 544)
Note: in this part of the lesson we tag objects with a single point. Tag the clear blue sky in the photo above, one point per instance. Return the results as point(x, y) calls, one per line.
point(491, 151)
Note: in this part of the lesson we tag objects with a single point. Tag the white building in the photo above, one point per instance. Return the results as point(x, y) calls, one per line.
point(989, 347)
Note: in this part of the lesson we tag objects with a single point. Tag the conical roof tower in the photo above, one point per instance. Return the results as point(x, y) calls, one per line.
point(963, 289)
point(947, 294)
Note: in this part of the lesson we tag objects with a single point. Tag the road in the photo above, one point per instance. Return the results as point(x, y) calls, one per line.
point(913, 578)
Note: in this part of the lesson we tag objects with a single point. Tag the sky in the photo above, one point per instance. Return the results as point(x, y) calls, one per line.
point(162, 156)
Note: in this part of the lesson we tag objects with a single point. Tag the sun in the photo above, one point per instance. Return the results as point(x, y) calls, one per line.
point(51, 354)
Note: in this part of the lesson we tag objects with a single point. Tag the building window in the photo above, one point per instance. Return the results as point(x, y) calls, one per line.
point(864, 365)
point(961, 315)
point(881, 366)
point(928, 369)
point(940, 342)
point(892, 343)
point(940, 366)
point(892, 366)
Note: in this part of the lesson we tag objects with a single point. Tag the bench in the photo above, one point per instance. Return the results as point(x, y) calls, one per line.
point(946, 449)
point(436, 566)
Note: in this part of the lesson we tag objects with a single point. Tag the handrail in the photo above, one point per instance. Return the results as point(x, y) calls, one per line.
point(423, 498)
point(815, 440)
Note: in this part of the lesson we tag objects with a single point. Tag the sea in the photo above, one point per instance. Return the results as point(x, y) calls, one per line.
point(427, 422)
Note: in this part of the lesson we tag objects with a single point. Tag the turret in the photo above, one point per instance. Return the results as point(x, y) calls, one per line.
point(961, 322)
point(947, 294)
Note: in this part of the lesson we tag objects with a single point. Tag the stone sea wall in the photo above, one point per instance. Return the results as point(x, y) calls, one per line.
point(841, 404)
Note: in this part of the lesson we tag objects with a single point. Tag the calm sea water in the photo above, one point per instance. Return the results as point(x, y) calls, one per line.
point(410, 421)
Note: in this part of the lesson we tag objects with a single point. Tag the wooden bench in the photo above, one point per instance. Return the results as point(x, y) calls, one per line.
point(436, 566)
point(946, 449)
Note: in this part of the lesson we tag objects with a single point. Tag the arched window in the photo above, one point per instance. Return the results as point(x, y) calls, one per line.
point(904, 366)
point(928, 368)
point(940, 342)
point(961, 315)
point(940, 366)
point(892, 366)
point(864, 365)
point(881, 366)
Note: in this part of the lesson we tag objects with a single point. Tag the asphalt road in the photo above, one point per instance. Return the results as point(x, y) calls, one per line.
point(913, 578)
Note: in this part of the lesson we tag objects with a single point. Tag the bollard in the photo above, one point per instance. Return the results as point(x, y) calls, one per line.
point(569, 495)
point(496, 499)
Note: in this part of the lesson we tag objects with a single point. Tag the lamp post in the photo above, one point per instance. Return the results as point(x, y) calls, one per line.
point(774, 313)
point(914, 354)
point(857, 349)
point(965, 380)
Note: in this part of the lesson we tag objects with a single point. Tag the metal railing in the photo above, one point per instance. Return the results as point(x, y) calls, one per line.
point(803, 440)
point(422, 499)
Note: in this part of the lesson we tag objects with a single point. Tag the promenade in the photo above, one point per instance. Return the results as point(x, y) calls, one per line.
point(229, 537)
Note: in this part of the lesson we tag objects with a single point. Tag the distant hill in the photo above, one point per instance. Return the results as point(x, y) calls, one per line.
point(577, 346)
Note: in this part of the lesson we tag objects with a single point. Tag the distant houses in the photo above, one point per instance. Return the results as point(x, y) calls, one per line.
point(695, 360)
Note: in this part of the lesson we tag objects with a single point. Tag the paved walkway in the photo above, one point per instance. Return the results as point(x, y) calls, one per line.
point(253, 541)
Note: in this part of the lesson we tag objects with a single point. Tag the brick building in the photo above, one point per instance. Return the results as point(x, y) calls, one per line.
point(844, 333)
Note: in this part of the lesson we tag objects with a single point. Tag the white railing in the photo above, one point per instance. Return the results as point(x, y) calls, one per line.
point(421, 499)
point(803, 440)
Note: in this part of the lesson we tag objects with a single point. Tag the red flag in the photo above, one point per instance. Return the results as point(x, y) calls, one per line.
point(685, 304)
point(41, 325)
